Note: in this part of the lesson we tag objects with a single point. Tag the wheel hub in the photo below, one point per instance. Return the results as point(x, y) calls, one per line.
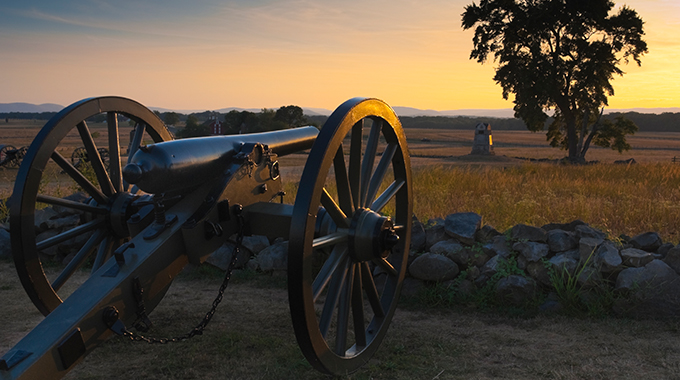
point(371, 236)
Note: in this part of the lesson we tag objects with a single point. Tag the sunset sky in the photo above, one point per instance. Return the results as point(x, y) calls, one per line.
point(211, 54)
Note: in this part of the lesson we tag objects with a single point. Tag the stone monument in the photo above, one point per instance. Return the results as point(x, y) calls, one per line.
point(483, 143)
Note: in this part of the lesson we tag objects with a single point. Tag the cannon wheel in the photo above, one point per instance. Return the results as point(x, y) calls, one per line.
point(343, 278)
point(102, 218)
point(79, 156)
point(7, 155)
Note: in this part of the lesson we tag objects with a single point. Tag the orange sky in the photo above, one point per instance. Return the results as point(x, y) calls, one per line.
point(211, 54)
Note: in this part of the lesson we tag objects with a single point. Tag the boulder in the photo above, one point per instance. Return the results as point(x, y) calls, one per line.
point(452, 249)
point(648, 241)
point(5, 244)
point(255, 243)
point(528, 233)
point(80, 197)
point(463, 226)
point(587, 247)
point(418, 236)
point(539, 272)
point(273, 258)
point(489, 269)
point(673, 258)
point(222, 256)
point(435, 233)
point(497, 246)
point(411, 287)
point(562, 263)
point(40, 218)
point(644, 279)
point(433, 267)
point(634, 257)
point(564, 226)
point(50, 251)
point(664, 248)
point(588, 278)
point(607, 258)
point(585, 230)
point(515, 290)
point(530, 250)
point(61, 223)
point(561, 240)
point(485, 234)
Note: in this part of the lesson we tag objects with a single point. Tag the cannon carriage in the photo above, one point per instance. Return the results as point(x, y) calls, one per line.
point(174, 202)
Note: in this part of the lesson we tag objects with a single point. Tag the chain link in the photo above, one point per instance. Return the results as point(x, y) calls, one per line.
point(198, 330)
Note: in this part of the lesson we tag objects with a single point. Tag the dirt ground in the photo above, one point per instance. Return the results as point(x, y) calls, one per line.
point(251, 337)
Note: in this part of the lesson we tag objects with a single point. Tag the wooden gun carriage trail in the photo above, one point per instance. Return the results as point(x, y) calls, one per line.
point(174, 202)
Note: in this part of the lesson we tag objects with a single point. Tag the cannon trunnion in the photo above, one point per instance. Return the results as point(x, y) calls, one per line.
point(174, 202)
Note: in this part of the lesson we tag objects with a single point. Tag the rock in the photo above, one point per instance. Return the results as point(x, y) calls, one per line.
point(529, 233)
point(539, 272)
point(463, 226)
point(532, 251)
point(515, 290)
point(672, 258)
point(497, 246)
point(433, 267)
point(5, 244)
point(434, 234)
point(648, 241)
point(79, 197)
point(564, 226)
point(607, 258)
point(585, 230)
point(222, 256)
point(60, 223)
point(451, 249)
point(634, 257)
point(626, 162)
point(255, 243)
point(50, 251)
point(40, 218)
point(478, 257)
point(418, 236)
point(589, 278)
point(485, 234)
point(587, 247)
point(489, 269)
point(644, 279)
point(560, 240)
point(664, 248)
point(473, 273)
point(562, 263)
point(273, 258)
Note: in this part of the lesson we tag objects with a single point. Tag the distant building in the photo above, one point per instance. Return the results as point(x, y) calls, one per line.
point(215, 126)
point(483, 143)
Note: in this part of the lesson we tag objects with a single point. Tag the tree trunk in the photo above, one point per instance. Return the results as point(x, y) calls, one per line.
point(572, 138)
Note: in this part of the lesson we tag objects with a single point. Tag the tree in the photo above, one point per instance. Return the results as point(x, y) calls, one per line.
point(559, 55)
point(293, 116)
point(193, 128)
point(171, 118)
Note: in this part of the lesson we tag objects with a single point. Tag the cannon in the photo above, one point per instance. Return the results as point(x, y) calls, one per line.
point(173, 202)
point(10, 156)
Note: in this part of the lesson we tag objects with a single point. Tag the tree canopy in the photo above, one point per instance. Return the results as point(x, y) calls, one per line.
point(559, 55)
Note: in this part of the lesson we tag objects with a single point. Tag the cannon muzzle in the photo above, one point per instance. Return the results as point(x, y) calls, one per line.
point(181, 164)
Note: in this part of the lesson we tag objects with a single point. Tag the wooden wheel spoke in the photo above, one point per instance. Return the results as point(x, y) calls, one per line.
point(371, 291)
point(338, 255)
point(355, 161)
point(334, 290)
point(136, 140)
point(358, 309)
point(64, 236)
point(78, 259)
point(71, 204)
point(380, 172)
point(77, 176)
point(369, 160)
point(114, 151)
point(342, 182)
point(103, 252)
point(332, 239)
point(334, 210)
point(387, 195)
point(384, 264)
point(343, 312)
point(95, 159)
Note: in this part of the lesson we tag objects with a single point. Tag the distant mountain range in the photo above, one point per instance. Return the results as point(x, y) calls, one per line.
point(401, 111)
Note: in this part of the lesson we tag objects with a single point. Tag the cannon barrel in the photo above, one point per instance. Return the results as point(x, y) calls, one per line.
point(180, 164)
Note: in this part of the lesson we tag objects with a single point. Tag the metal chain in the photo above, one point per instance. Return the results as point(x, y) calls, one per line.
point(198, 330)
